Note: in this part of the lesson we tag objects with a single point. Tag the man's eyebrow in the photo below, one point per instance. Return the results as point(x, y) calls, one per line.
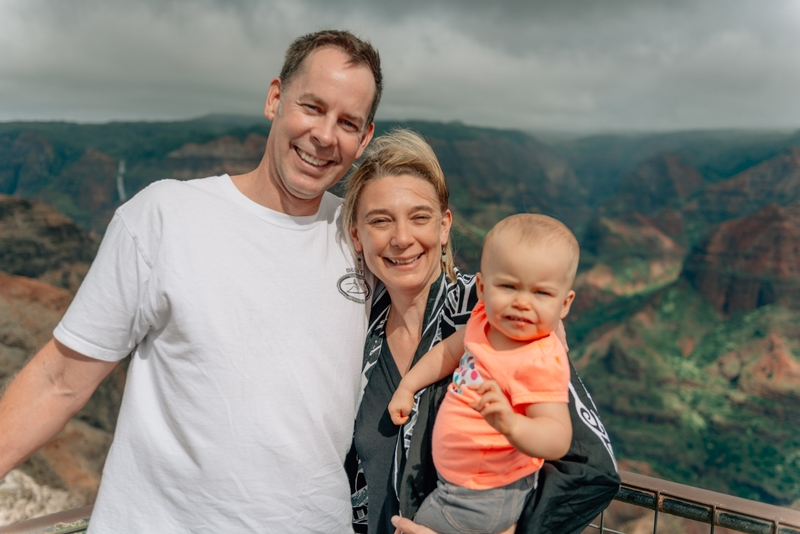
point(317, 100)
point(314, 98)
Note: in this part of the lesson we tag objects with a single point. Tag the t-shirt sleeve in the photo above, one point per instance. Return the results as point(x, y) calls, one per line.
point(105, 320)
point(544, 377)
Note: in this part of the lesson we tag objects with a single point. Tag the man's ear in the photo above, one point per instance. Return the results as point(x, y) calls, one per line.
point(479, 285)
point(567, 303)
point(273, 99)
point(366, 137)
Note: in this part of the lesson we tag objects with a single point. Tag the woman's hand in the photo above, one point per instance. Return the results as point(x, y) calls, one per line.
point(403, 525)
point(401, 405)
point(494, 407)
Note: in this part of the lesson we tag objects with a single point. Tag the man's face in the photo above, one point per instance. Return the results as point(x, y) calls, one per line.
point(318, 127)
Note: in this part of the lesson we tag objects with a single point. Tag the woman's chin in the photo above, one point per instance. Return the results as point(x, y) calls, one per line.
point(407, 281)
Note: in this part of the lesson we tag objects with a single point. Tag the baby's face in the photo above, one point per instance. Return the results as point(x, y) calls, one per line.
point(526, 289)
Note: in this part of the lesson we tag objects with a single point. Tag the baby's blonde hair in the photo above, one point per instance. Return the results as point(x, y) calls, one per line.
point(537, 229)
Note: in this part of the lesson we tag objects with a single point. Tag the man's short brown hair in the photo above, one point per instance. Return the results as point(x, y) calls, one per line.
point(359, 51)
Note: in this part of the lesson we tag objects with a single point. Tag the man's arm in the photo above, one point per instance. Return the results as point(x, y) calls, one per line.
point(48, 391)
point(436, 364)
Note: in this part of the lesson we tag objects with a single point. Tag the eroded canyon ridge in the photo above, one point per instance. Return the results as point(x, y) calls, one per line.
point(687, 322)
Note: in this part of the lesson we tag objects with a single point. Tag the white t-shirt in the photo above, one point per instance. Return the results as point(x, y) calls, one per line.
point(248, 328)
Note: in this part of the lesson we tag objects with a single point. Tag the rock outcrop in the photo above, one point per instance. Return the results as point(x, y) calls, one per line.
point(223, 155)
point(628, 254)
point(38, 242)
point(776, 180)
point(750, 262)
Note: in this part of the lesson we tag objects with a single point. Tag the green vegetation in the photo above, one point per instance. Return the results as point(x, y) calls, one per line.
point(672, 407)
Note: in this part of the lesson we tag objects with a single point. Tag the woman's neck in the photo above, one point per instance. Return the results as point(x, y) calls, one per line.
point(404, 327)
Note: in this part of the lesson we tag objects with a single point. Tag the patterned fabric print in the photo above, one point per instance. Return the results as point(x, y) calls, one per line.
point(465, 375)
point(448, 309)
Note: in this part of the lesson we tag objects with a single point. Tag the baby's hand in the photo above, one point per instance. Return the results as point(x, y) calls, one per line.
point(400, 406)
point(494, 407)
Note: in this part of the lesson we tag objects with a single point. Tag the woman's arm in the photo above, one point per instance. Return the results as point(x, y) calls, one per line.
point(436, 364)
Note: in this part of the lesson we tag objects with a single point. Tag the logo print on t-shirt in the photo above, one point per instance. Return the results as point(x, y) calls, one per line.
point(354, 287)
point(466, 374)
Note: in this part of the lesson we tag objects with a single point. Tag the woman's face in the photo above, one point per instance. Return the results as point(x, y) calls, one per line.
point(401, 230)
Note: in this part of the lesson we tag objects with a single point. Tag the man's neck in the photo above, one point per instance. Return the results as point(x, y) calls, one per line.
point(257, 186)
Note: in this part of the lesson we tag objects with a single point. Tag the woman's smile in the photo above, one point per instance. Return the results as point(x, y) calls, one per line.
point(402, 261)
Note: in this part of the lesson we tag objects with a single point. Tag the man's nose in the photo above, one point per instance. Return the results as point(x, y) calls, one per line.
point(324, 132)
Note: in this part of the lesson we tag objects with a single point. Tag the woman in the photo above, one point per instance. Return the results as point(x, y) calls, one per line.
point(396, 213)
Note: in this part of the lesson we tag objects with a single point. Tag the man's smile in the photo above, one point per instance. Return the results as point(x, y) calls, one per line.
point(308, 158)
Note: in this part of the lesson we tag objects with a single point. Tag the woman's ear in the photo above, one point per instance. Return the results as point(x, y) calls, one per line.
point(447, 223)
point(357, 246)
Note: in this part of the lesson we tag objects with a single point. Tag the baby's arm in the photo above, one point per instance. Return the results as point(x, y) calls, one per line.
point(436, 364)
point(545, 431)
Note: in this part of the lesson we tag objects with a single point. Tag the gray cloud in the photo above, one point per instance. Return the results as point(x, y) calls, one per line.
point(579, 65)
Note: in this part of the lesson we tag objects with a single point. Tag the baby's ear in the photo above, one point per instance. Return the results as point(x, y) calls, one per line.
point(567, 303)
point(479, 285)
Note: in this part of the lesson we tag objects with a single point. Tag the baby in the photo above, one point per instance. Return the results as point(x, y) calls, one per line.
point(506, 410)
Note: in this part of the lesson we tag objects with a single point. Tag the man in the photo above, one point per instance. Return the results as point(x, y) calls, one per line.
point(234, 294)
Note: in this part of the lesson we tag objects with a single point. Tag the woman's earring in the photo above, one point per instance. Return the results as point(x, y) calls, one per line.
point(444, 254)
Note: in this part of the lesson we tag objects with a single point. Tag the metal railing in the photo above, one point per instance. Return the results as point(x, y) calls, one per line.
point(703, 506)
point(661, 496)
point(68, 522)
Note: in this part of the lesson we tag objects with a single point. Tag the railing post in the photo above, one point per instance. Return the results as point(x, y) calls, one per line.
point(713, 518)
point(602, 522)
point(655, 517)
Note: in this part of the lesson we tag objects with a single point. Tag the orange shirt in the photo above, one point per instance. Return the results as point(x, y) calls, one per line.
point(468, 451)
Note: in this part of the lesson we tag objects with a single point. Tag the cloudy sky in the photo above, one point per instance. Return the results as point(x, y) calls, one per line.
point(569, 65)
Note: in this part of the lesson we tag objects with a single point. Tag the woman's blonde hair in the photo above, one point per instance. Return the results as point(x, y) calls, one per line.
point(399, 152)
